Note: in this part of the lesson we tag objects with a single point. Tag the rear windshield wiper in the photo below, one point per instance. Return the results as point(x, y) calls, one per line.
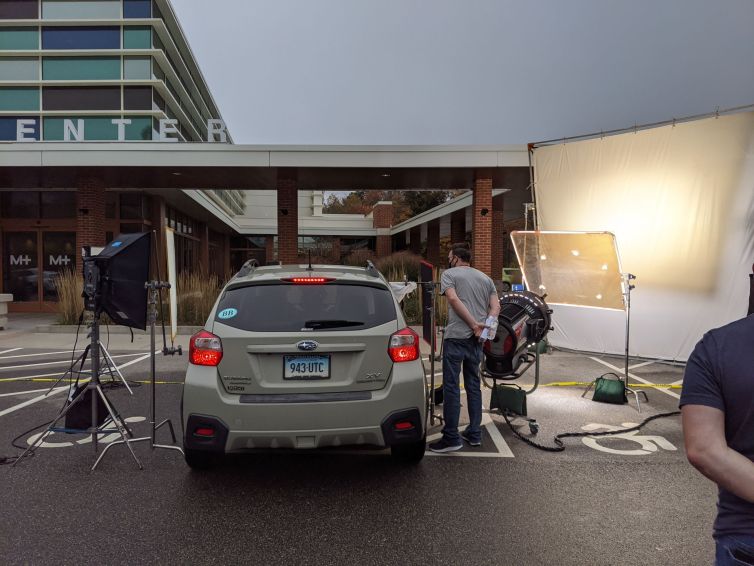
point(331, 323)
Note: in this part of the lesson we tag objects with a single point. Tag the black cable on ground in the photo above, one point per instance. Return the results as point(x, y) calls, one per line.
point(560, 447)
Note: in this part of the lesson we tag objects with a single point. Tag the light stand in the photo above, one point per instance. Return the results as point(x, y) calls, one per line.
point(628, 287)
point(154, 288)
point(95, 388)
point(431, 288)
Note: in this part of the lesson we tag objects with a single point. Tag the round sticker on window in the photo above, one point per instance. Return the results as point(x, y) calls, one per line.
point(227, 313)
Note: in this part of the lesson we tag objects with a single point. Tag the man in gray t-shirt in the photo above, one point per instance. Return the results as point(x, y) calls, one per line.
point(472, 297)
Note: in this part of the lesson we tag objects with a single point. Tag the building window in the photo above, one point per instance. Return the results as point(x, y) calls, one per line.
point(81, 98)
point(106, 37)
point(140, 128)
point(81, 9)
point(137, 37)
point(19, 69)
point(19, 39)
point(9, 125)
point(181, 223)
point(19, 9)
point(19, 98)
point(135, 68)
point(111, 204)
point(58, 204)
point(137, 98)
point(81, 68)
point(20, 204)
point(135, 206)
point(137, 8)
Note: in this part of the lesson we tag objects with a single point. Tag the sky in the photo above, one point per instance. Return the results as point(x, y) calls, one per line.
point(465, 72)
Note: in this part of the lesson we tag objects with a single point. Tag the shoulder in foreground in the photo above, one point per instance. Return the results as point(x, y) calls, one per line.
point(742, 325)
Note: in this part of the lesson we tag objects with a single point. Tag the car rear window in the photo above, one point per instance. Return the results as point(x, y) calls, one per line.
point(289, 307)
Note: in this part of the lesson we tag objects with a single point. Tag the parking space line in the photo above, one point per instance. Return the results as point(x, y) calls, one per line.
point(641, 365)
point(11, 350)
point(58, 374)
point(637, 378)
point(58, 362)
point(15, 393)
point(34, 400)
point(503, 450)
point(37, 353)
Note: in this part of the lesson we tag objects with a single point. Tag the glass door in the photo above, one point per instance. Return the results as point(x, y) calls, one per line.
point(32, 260)
point(21, 271)
point(57, 255)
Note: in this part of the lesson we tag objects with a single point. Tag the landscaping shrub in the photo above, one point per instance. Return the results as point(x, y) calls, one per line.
point(69, 286)
point(197, 293)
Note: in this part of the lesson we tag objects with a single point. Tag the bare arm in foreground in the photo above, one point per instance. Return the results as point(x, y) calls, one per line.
point(708, 452)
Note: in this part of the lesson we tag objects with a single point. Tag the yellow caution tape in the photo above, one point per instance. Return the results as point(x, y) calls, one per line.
point(588, 383)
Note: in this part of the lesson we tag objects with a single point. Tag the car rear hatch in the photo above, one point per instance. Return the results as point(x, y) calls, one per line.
point(305, 335)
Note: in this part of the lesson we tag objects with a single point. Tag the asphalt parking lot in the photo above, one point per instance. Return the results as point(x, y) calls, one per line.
point(625, 500)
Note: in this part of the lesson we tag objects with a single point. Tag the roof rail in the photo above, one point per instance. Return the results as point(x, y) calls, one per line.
point(371, 269)
point(247, 268)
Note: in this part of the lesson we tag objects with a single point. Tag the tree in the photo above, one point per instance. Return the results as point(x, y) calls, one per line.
point(406, 204)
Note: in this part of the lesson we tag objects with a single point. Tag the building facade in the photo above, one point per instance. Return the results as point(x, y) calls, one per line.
point(99, 71)
point(96, 74)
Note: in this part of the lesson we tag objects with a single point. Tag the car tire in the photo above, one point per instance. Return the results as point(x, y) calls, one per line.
point(197, 460)
point(409, 453)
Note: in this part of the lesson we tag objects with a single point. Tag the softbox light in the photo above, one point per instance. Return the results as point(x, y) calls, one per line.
point(124, 269)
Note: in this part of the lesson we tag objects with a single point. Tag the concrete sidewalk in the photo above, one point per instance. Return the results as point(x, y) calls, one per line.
point(24, 331)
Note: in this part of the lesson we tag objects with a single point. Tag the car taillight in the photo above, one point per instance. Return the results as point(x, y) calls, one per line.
point(404, 346)
point(205, 349)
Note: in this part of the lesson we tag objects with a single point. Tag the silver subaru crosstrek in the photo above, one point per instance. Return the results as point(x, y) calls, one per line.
point(304, 357)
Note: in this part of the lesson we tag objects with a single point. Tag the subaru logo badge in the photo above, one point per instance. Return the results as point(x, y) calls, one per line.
point(307, 345)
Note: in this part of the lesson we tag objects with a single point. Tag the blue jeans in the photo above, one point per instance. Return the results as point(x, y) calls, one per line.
point(734, 550)
point(458, 352)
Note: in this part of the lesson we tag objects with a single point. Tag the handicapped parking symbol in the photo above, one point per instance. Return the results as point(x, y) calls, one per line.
point(106, 439)
point(648, 443)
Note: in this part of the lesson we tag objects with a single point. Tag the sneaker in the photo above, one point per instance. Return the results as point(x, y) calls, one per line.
point(443, 445)
point(467, 438)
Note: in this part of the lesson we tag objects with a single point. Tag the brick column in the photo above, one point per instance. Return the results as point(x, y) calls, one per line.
point(433, 242)
point(90, 214)
point(382, 220)
point(498, 236)
point(287, 216)
point(415, 245)
point(481, 245)
point(269, 249)
point(458, 226)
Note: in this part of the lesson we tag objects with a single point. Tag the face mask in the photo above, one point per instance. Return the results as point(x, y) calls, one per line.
point(451, 263)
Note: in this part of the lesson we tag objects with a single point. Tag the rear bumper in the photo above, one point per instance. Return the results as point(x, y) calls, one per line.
point(301, 424)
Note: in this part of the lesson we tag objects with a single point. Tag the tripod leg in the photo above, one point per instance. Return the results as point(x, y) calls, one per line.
point(121, 419)
point(112, 365)
point(120, 425)
point(587, 389)
point(170, 426)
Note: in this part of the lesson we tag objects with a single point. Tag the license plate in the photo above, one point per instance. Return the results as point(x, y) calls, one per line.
point(306, 367)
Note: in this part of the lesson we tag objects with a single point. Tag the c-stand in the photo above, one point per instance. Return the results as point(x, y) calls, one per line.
point(94, 391)
point(154, 289)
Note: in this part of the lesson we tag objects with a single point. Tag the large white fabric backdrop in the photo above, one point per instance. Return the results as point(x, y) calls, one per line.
point(680, 200)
